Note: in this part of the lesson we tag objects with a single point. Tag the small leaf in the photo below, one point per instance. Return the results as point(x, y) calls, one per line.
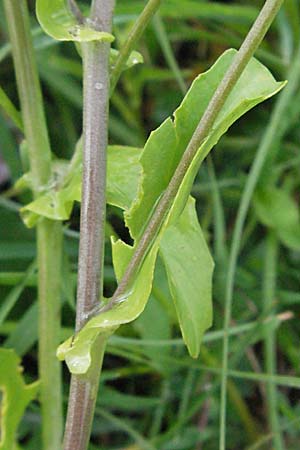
point(123, 170)
point(57, 21)
point(16, 395)
point(133, 59)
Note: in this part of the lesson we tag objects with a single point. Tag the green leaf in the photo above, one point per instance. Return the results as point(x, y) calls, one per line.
point(166, 145)
point(276, 209)
point(77, 352)
point(133, 59)
point(57, 21)
point(159, 159)
point(123, 172)
point(189, 267)
point(56, 203)
point(16, 395)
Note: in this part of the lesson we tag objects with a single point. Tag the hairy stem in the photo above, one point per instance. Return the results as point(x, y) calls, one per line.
point(92, 223)
point(251, 43)
point(49, 233)
point(134, 35)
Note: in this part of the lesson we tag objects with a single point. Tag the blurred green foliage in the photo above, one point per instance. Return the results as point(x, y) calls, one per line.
point(153, 395)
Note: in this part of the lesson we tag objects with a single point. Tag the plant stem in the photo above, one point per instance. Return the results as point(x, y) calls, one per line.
point(263, 160)
point(29, 92)
point(92, 223)
point(49, 247)
point(269, 289)
point(252, 41)
point(82, 401)
point(95, 118)
point(75, 10)
point(134, 35)
point(49, 233)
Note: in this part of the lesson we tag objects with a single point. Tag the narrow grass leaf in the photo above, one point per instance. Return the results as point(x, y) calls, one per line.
point(15, 293)
point(10, 109)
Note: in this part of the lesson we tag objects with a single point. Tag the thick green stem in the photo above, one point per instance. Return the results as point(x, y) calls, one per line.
point(49, 244)
point(83, 389)
point(49, 233)
point(251, 43)
point(29, 92)
point(135, 34)
point(91, 248)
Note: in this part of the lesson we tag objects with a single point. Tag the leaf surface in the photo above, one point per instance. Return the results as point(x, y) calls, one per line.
point(77, 352)
point(166, 145)
point(16, 395)
point(189, 267)
point(123, 170)
point(57, 21)
point(133, 59)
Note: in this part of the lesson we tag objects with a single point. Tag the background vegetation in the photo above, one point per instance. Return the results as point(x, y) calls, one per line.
point(152, 394)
